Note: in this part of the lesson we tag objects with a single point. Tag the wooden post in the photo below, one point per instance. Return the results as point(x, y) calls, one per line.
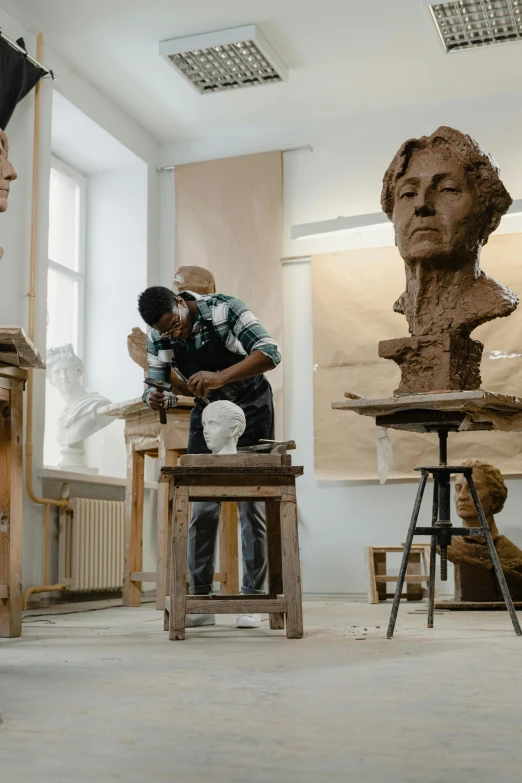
point(167, 458)
point(11, 415)
point(291, 567)
point(179, 563)
point(133, 525)
point(275, 566)
point(228, 549)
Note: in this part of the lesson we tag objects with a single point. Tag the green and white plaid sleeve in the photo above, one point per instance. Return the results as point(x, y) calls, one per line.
point(250, 333)
point(159, 360)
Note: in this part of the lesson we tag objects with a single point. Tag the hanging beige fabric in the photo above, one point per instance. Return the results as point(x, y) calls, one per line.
point(229, 220)
point(353, 294)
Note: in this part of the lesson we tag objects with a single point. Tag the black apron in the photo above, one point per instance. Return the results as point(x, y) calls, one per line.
point(253, 395)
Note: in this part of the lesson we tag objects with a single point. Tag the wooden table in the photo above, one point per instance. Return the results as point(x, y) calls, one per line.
point(146, 436)
point(268, 477)
point(12, 383)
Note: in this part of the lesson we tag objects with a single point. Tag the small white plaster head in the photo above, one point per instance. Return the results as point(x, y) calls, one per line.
point(223, 424)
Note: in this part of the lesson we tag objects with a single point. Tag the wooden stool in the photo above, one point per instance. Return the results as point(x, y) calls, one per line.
point(415, 575)
point(270, 477)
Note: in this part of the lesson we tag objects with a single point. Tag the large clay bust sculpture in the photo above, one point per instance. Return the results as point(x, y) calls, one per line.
point(474, 576)
point(79, 418)
point(187, 278)
point(444, 197)
point(7, 175)
point(223, 424)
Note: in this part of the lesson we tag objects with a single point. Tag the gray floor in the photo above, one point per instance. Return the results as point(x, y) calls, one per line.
point(104, 696)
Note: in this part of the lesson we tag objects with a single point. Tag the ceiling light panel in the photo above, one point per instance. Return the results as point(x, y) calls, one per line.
point(225, 60)
point(467, 24)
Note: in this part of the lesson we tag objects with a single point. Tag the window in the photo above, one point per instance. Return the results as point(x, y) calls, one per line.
point(66, 271)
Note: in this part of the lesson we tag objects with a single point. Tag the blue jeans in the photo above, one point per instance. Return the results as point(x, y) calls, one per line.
point(203, 530)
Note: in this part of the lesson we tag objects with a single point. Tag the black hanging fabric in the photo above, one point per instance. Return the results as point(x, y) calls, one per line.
point(18, 76)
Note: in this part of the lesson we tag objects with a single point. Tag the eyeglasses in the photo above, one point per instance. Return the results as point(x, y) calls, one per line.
point(176, 326)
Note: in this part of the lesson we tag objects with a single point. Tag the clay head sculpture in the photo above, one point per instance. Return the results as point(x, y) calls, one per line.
point(444, 196)
point(223, 424)
point(474, 578)
point(491, 490)
point(7, 172)
point(194, 278)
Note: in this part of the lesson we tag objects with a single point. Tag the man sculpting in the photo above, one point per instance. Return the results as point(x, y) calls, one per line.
point(223, 351)
point(444, 197)
point(475, 579)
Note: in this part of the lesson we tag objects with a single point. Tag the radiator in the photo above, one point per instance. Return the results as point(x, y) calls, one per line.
point(91, 545)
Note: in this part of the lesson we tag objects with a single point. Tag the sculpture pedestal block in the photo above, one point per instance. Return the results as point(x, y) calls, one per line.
point(429, 363)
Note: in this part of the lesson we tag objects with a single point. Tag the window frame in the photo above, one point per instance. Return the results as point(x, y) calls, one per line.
point(77, 275)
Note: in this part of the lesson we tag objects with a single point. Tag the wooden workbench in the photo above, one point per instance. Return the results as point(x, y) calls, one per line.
point(146, 436)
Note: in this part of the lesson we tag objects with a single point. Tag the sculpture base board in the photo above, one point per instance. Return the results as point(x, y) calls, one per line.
point(475, 606)
point(467, 410)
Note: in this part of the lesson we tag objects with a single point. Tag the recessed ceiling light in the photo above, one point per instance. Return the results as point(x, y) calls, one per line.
point(467, 24)
point(225, 60)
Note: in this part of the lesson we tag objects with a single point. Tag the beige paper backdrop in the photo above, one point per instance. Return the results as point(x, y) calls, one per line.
point(229, 219)
point(353, 295)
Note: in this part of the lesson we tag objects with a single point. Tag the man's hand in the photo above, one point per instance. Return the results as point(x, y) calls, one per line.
point(200, 383)
point(157, 400)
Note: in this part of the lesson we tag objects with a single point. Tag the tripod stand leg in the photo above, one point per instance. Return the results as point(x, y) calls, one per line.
point(433, 554)
point(494, 557)
point(406, 555)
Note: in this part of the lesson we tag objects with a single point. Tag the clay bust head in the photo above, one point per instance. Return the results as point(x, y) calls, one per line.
point(491, 490)
point(223, 424)
point(64, 369)
point(194, 278)
point(7, 172)
point(444, 196)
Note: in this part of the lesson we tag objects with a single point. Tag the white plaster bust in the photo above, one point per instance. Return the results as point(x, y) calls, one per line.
point(79, 418)
point(223, 424)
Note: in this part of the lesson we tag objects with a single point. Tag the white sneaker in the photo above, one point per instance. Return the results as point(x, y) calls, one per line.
point(248, 621)
point(195, 620)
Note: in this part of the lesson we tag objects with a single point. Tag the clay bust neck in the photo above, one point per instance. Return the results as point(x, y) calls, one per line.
point(70, 396)
point(475, 522)
point(434, 294)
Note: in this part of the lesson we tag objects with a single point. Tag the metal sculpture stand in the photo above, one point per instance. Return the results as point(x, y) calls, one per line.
point(442, 530)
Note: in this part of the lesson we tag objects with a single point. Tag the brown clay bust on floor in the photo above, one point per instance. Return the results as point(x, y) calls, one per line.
point(474, 576)
point(444, 197)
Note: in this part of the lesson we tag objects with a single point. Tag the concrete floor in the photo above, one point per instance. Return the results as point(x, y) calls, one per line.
point(104, 696)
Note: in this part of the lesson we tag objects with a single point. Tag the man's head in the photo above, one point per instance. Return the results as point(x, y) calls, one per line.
point(490, 487)
point(7, 172)
point(166, 312)
point(223, 424)
point(444, 196)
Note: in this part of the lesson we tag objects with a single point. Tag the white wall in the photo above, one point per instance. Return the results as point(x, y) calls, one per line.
point(15, 226)
point(342, 176)
point(116, 274)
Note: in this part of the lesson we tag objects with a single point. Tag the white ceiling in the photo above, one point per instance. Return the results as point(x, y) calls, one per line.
point(346, 57)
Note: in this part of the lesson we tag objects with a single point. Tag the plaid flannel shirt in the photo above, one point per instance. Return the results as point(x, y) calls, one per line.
point(239, 329)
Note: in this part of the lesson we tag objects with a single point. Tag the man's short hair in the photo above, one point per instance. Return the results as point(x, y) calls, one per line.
point(154, 302)
point(493, 196)
point(497, 488)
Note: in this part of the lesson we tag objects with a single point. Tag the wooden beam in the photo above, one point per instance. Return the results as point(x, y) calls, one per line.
point(143, 576)
point(197, 604)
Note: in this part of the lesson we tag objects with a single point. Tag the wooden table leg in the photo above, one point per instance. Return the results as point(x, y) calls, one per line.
point(166, 458)
point(275, 567)
point(228, 549)
point(133, 525)
point(178, 568)
point(11, 517)
point(291, 566)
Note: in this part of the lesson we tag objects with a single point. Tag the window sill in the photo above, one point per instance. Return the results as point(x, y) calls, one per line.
point(88, 478)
